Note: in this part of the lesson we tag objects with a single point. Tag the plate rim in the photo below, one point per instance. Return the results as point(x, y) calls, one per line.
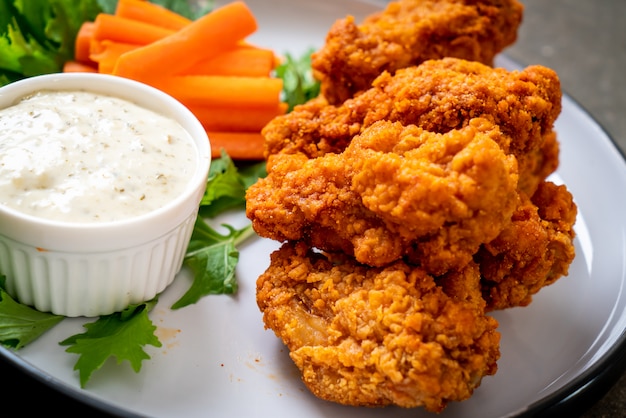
point(593, 384)
point(574, 397)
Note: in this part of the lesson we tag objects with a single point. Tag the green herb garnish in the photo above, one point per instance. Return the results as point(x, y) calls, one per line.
point(227, 184)
point(37, 36)
point(122, 335)
point(299, 85)
point(212, 257)
point(189, 9)
point(21, 324)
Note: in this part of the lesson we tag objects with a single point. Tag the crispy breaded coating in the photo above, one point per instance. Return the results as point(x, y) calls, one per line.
point(394, 192)
point(378, 336)
point(407, 213)
point(409, 32)
point(533, 252)
point(438, 96)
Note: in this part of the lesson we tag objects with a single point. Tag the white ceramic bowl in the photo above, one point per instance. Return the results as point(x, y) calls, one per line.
point(90, 269)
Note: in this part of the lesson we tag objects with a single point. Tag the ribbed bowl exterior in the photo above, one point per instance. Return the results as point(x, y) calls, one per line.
point(92, 269)
point(92, 284)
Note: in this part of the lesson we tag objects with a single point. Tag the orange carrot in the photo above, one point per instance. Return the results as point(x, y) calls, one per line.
point(206, 37)
point(238, 145)
point(121, 29)
point(106, 53)
point(244, 61)
point(253, 119)
point(78, 67)
point(98, 47)
point(147, 12)
point(83, 40)
point(221, 90)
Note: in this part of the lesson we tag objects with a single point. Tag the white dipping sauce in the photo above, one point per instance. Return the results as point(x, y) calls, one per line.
point(82, 157)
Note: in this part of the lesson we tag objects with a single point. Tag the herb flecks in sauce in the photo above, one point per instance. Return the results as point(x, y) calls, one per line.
point(84, 157)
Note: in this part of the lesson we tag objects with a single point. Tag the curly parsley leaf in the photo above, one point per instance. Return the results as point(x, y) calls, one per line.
point(21, 324)
point(299, 85)
point(212, 257)
point(122, 335)
point(227, 184)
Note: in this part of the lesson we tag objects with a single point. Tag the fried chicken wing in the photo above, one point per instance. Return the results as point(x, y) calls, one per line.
point(379, 336)
point(438, 96)
point(532, 252)
point(409, 32)
point(394, 192)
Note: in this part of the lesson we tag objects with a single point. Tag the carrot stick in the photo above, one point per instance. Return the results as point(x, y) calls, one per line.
point(83, 41)
point(106, 53)
point(98, 47)
point(244, 61)
point(238, 145)
point(147, 12)
point(121, 29)
point(221, 90)
point(206, 37)
point(244, 119)
point(78, 67)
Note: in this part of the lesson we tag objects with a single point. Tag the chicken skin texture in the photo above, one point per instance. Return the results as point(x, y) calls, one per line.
point(394, 192)
point(407, 33)
point(379, 336)
point(438, 96)
point(532, 252)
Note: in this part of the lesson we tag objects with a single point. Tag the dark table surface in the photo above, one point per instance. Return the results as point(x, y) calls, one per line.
point(585, 42)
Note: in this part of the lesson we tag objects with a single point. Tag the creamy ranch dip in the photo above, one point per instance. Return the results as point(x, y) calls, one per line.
point(83, 157)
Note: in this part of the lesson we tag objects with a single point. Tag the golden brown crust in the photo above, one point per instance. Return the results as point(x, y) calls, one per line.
point(438, 96)
point(378, 336)
point(409, 32)
point(411, 198)
point(533, 252)
point(395, 191)
point(417, 192)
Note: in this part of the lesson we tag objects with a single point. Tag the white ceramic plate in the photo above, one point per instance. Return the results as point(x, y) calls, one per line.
point(217, 359)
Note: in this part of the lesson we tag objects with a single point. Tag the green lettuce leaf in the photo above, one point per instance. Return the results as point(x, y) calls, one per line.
point(37, 36)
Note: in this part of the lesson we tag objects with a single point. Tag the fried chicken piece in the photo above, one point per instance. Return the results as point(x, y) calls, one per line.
point(409, 32)
point(396, 191)
point(378, 336)
point(438, 96)
point(539, 163)
point(533, 252)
